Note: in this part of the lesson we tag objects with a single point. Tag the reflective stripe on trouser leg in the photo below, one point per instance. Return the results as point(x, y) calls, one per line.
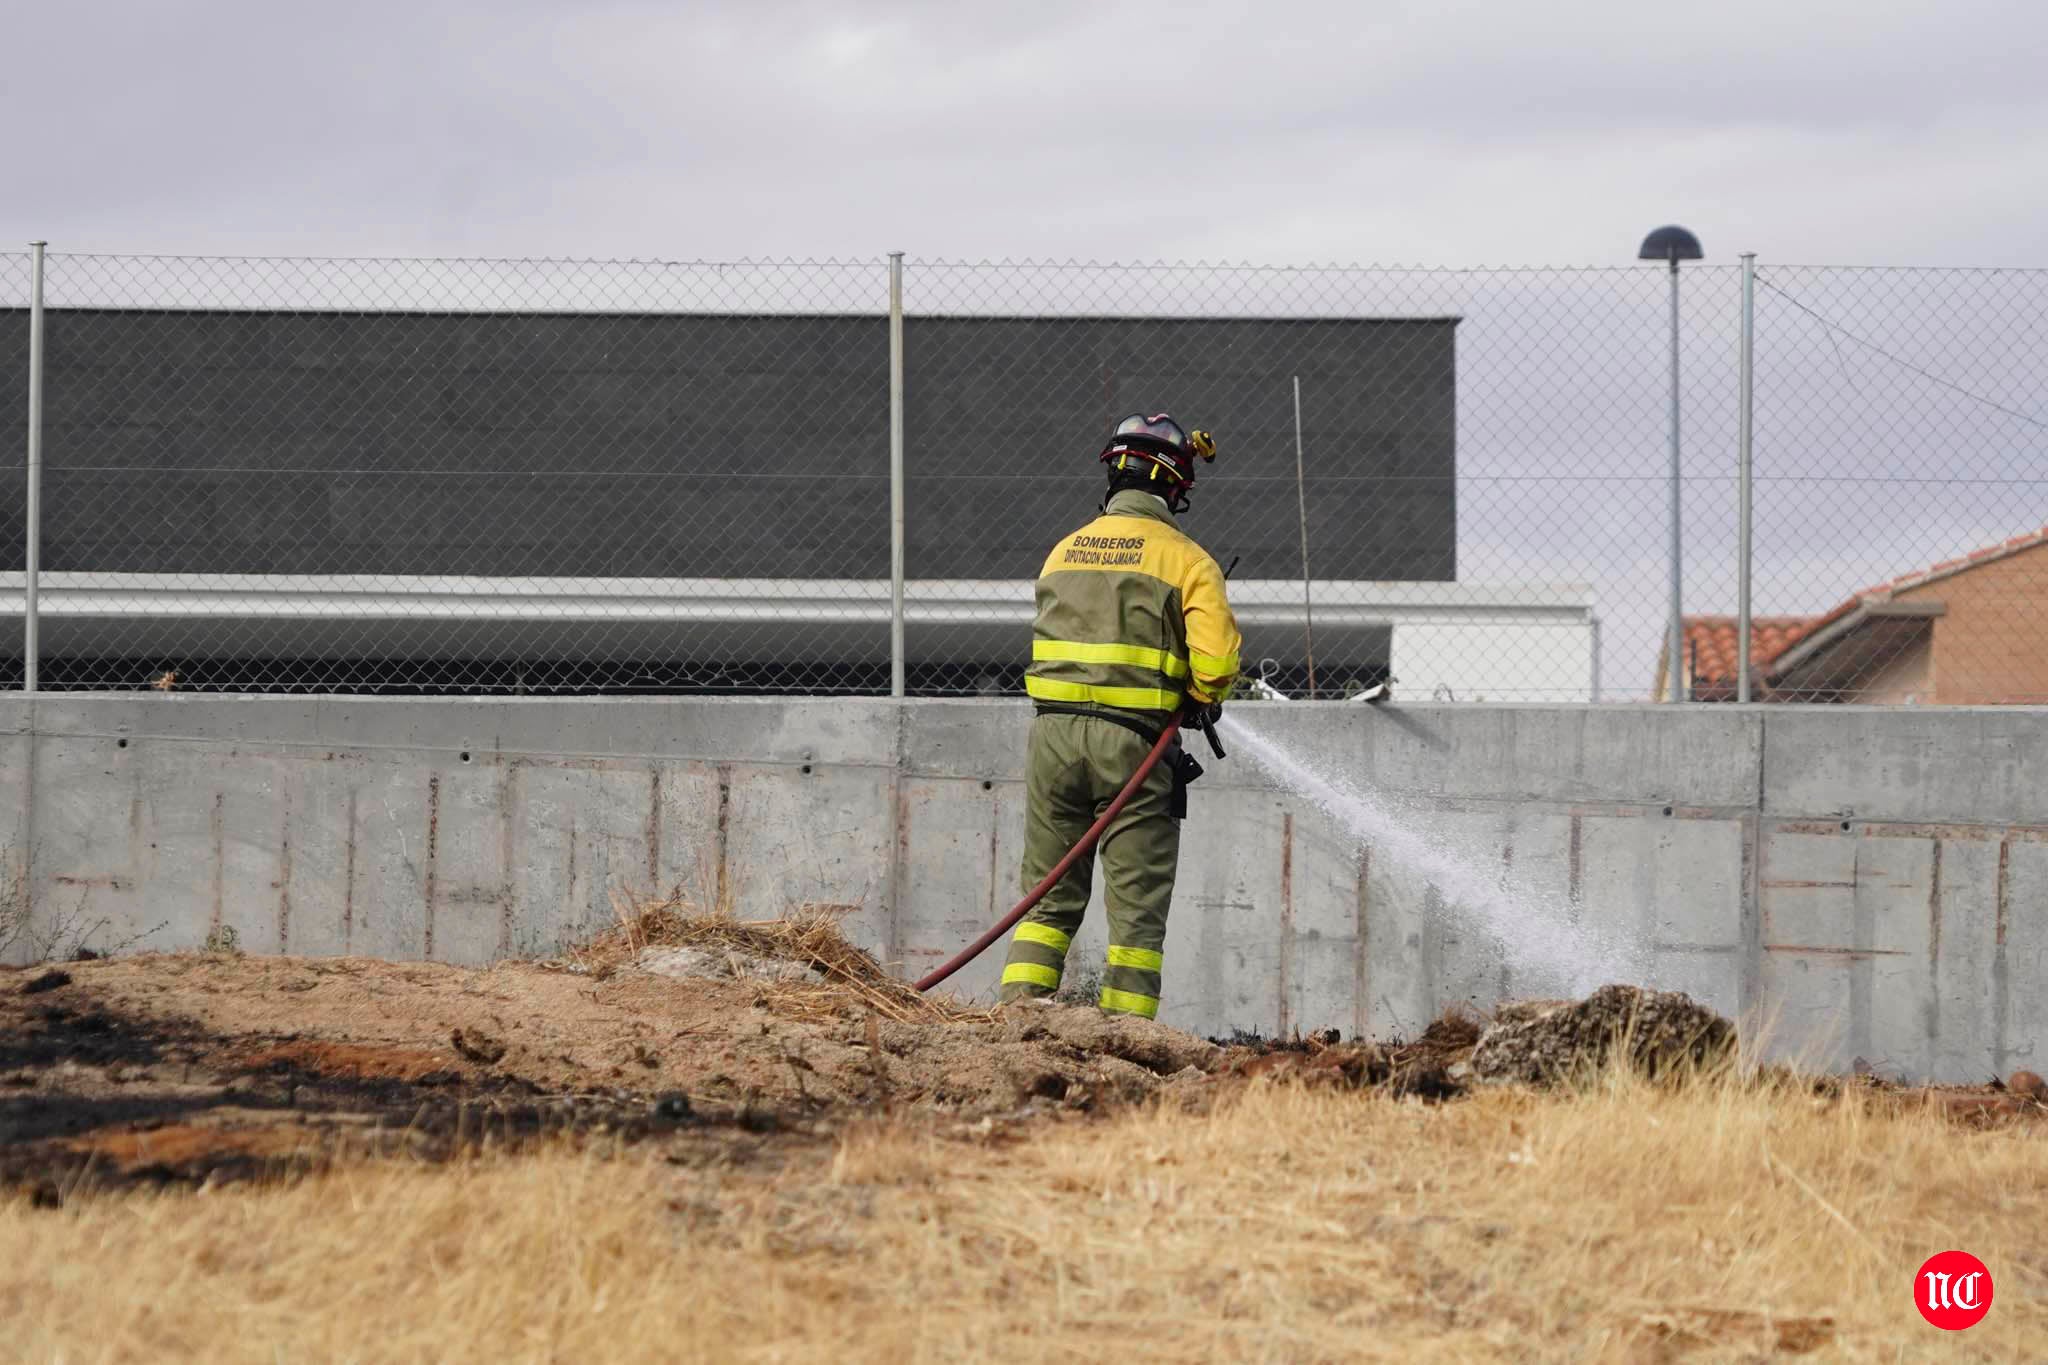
point(1038, 957)
point(1130, 982)
point(1059, 807)
point(1139, 857)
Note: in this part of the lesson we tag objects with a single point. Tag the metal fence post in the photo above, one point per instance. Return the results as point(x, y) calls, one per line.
point(1744, 413)
point(896, 518)
point(32, 549)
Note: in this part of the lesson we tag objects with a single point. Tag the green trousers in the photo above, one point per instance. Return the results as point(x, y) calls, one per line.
point(1075, 767)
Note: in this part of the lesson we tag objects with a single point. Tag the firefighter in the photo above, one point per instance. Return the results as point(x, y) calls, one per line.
point(1132, 625)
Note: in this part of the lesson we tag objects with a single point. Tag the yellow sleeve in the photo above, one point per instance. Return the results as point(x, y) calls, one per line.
point(1213, 640)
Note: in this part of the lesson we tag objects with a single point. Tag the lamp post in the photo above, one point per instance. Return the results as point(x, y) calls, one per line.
point(1673, 244)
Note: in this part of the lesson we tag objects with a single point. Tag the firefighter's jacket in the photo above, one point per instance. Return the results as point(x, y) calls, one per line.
point(1131, 615)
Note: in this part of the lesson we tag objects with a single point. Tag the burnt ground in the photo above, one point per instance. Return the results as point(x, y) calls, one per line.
point(97, 1086)
point(199, 1068)
point(190, 1068)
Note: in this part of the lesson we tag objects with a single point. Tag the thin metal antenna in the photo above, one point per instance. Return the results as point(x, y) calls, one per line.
point(1308, 625)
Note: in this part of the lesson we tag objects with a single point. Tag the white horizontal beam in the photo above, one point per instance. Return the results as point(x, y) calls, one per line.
point(713, 600)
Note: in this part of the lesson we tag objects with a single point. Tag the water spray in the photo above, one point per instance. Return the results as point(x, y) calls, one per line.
point(1538, 934)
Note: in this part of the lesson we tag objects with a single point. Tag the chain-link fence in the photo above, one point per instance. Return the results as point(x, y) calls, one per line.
point(1470, 496)
point(465, 476)
point(1902, 484)
point(566, 476)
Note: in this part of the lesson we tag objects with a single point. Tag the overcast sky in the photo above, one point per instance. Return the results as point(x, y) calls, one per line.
point(1431, 132)
point(1415, 132)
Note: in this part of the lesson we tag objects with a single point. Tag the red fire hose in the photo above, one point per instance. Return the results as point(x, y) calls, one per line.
point(1061, 868)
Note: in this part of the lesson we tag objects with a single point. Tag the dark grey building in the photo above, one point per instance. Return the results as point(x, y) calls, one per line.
point(436, 454)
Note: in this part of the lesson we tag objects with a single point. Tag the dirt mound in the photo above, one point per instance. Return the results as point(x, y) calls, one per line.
point(1654, 1032)
point(1083, 1030)
point(190, 1067)
point(672, 938)
point(1455, 1028)
point(177, 1067)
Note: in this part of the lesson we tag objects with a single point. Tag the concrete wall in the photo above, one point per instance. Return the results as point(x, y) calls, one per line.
point(1872, 881)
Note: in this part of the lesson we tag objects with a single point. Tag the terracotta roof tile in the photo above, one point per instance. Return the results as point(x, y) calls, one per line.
point(1710, 644)
point(2010, 545)
point(1710, 640)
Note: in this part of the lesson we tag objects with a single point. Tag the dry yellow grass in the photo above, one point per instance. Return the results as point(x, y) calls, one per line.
point(1624, 1224)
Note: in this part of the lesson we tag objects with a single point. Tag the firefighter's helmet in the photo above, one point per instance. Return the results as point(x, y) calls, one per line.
point(1155, 453)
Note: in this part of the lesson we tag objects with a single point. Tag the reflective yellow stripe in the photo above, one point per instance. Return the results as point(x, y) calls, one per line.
point(1144, 959)
point(1215, 665)
point(1130, 1002)
point(1130, 698)
point(1031, 974)
point(1045, 934)
point(1075, 652)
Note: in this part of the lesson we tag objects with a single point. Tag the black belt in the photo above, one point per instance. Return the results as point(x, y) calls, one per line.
point(1131, 723)
point(1180, 764)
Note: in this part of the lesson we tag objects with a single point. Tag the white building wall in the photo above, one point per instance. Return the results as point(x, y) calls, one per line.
point(1498, 659)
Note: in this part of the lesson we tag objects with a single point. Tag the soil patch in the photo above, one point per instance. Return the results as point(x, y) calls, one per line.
point(356, 1062)
point(198, 1067)
point(207, 1066)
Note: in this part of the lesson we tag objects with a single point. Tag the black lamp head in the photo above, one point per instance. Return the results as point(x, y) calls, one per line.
point(1673, 244)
